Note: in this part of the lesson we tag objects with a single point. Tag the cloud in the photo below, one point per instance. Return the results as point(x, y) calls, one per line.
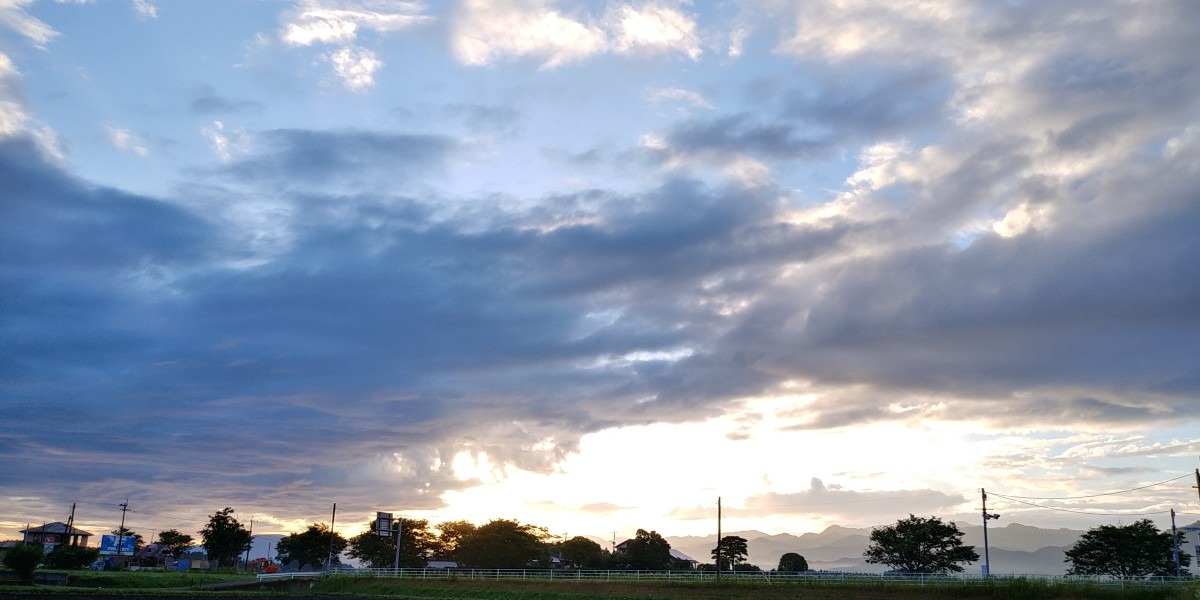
point(488, 31)
point(123, 139)
point(13, 114)
point(654, 27)
point(14, 17)
point(680, 95)
point(355, 67)
point(145, 9)
point(339, 21)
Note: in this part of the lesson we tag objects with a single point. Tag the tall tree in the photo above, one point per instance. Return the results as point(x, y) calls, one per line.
point(450, 533)
point(792, 562)
point(312, 547)
point(1126, 551)
point(647, 551)
point(733, 551)
point(224, 538)
point(378, 552)
point(175, 541)
point(582, 553)
point(503, 544)
point(920, 545)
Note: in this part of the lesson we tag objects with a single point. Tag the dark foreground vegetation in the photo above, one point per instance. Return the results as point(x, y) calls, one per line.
point(184, 586)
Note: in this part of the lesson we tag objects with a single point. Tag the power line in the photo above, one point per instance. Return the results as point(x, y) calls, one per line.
point(1096, 495)
point(1081, 512)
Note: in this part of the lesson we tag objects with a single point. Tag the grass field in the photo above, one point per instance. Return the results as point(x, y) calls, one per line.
point(168, 585)
point(1015, 589)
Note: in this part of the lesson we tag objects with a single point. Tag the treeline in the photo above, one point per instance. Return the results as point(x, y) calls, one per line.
point(497, 544)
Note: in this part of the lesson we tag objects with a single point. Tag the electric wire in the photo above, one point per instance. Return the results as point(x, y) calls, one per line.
point(1098, 495)
point(1081, 512)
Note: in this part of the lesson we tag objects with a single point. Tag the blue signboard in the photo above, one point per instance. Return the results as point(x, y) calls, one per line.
point(108, 544)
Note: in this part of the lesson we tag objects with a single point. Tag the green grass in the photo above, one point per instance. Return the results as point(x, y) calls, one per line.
point(1011, 589)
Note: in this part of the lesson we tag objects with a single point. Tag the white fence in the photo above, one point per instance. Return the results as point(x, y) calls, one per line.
point(811, 577)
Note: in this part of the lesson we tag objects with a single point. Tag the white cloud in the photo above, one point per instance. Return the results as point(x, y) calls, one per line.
point(355, 67)
point(14, 17)
point(337, 22)
point(490, 30)
point(123, 139)
point(656, 28)
point(12, 110)
point(224, 142)
point(680, 95)
point(145, 9)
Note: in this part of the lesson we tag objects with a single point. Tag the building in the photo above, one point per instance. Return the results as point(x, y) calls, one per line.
point(55, 534)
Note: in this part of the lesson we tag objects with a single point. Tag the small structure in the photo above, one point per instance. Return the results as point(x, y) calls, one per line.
point(55, 534)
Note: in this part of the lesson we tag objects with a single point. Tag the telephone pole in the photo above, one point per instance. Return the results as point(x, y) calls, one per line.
point(121, 532)
point(987, 560)
point(718, 537)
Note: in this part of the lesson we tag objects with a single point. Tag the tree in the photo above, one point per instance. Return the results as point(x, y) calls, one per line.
point(177, 543)
point(792, 562)
point(1125, 551)
point(920, 545)
point(313, 547)
point(23, 559)
point(503, 544)
point(582, 553)
point(450, 534)
point(71, 557)
point(224, 538)
point(416, 545)
point(647, 551)
point(731, 550)
point(125, 532)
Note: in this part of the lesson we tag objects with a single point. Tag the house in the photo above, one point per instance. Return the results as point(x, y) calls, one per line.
point(680, 560)
point(55, 534)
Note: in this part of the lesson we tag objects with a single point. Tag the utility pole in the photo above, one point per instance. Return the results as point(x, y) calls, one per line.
point(251, 532)
point(1175, 544)
point(396, 540)
point(329, 556)
point(121, 532)
point(718, 537)
point(1197, 486)
point(71, 525)
point(987, 560)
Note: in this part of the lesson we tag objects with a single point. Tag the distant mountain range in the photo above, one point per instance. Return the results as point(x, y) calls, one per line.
point(1014, 548)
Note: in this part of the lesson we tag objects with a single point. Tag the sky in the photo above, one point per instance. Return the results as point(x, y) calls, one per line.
point(594, 265)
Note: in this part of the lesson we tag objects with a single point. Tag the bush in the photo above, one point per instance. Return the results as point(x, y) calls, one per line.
point(71, 557)
point(24, 560)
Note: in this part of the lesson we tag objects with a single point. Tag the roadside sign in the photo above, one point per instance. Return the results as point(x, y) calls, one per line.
point(383, 524)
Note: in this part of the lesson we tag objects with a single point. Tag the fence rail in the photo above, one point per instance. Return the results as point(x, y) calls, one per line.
point(811, 577)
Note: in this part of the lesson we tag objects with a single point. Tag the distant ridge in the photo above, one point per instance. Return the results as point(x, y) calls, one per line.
point(1014, 548)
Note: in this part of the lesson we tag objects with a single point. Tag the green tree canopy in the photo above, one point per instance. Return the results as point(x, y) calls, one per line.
point(23, 559)
point(71, 557)
point(450, 533)
point(732, 550)
point(1125, 551)
point(920, 545)
point(503, 544)
point(175, 541)
point(792, 562)
point(312, 547)
point(580, 552)
point(647, 551)
point(378, 552)
point(224, 538)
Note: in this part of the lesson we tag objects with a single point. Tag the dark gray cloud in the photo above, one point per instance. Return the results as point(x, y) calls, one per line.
point(332, 157)
point(206, 101)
